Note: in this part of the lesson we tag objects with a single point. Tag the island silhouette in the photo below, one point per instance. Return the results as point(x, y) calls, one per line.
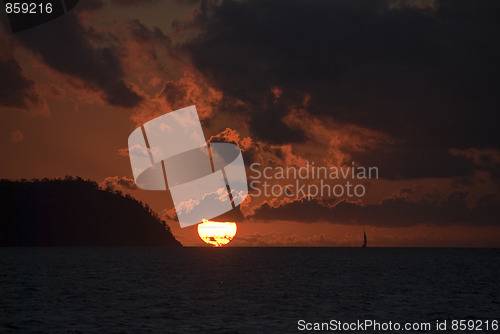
point(76, 212)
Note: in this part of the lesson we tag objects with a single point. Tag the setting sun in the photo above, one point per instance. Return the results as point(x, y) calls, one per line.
point(216, 233)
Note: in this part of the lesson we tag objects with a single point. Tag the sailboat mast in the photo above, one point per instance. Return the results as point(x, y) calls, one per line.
point(364, 235)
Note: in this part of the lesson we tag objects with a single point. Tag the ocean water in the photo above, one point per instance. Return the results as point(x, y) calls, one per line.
point(241, 290)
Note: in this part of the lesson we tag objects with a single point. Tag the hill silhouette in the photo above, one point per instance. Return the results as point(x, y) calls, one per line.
point(76, 212)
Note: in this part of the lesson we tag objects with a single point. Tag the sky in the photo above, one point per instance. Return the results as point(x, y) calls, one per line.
point(407, 87)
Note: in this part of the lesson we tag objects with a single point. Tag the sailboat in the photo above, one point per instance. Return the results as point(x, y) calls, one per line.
point(364, 243)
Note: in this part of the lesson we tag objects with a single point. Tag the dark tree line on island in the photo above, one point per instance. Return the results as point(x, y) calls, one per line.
point(76, 212)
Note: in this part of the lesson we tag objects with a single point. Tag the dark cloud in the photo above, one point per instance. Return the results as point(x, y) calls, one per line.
point(427, 77)
point(266, 123)
point(69, 51)
point(17, 90)
point(141, 33)
point(411, 162)
point(133, 3)
point(89, 5)
point(393, 212)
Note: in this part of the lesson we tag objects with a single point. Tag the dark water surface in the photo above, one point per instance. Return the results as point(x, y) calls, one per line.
point(240, 290)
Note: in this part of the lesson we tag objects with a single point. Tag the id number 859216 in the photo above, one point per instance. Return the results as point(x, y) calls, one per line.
point(28, 7)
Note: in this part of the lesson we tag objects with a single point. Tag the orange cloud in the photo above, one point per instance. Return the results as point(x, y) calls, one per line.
point(337, 139)
point(17, 136)
point(232, 136)
point(190, 89)
point(114, 182)
point(283, 239)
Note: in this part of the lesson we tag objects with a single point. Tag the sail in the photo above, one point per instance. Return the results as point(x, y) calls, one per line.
point(364, 243)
